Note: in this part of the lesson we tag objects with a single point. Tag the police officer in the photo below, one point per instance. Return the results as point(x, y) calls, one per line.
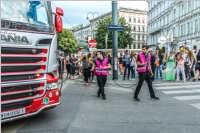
point(144, 72)
point(101, 68)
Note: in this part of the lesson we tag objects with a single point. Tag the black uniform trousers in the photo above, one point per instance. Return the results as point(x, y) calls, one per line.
point(101, 80)
point(86, 73)
point(144, 77)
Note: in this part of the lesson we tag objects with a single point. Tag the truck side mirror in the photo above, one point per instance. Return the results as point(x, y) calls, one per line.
point(58, 19)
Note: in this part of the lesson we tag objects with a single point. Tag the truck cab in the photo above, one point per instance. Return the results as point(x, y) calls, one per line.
point(29, 66)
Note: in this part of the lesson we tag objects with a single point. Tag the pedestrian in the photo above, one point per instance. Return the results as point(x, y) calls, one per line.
point(68, 68)
point(170, 63)
point(158, 65)
point(110, 58)
point(144, 72)
point(90, 60)
point(101, 68)
point(92, 70)
point(86, 69)
point(197, 67)
point(133, 66)
point(121, 64)
point(126, 60)
point(189, 64)
point(61, 67)
point(193, 62)
point(72, 67)
point(153, 65)
point(180, 67)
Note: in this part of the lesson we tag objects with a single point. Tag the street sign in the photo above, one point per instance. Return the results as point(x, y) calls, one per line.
point(92, 49)
point(92, 43)
point(82, 40)
point(115, 27)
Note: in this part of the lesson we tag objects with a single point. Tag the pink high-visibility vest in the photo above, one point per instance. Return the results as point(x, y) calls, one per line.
point(102, 67)
point(142, 60)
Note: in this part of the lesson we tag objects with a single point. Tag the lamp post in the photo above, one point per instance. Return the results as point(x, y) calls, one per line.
point(89, 19)
point(115, 39)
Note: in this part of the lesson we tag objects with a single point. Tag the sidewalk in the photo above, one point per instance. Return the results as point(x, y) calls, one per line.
point(121, 82)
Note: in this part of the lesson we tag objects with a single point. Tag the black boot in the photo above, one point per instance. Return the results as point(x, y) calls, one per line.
point(136, 98)
point(155, 98)
point(98, 94)
point(103, 96)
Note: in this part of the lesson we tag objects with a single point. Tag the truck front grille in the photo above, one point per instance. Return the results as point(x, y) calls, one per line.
point(22, 75)
point(8, 78)
point(16, 105)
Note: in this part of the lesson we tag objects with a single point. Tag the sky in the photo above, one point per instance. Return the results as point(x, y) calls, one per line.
point(75, 12)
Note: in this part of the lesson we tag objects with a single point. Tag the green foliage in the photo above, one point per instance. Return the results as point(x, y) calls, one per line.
point(67, 42)
point(124, 37)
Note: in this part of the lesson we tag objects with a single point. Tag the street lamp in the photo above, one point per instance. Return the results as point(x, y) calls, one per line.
point(89, 19)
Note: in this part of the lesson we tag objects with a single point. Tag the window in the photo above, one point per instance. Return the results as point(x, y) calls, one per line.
point(143, 21)
point(191, 27)
point(134, 28)
point(129, 19)
point(181, 30)
point(196, 26)
point(174, 31)
point(134, 20)
point(143, 28)
point(188, 28)
point(143, 37)
point(189, 6)
point(32, 12)
point(164, 20)
point(138, 37)
point(174, 13)
point(138, 28)
point(138, 20)
point(167, 18)
point(160, 22)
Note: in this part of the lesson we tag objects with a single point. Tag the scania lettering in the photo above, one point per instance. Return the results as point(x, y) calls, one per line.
point(29, 65)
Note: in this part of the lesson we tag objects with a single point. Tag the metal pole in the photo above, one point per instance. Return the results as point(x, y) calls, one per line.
point(115, 39)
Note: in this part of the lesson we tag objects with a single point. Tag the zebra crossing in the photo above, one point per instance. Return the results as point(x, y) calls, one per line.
point(183, 91)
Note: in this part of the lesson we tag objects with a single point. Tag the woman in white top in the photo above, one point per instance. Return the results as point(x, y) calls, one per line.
point(180, 69)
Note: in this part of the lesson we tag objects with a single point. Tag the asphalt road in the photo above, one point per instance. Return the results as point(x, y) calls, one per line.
point(82, 112)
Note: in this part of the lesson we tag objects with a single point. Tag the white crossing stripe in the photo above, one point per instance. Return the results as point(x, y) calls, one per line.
point(185, 98)
point(196, 105)
point(181, 91)
point(177, 87)
point(119, 89)
point(177, 83)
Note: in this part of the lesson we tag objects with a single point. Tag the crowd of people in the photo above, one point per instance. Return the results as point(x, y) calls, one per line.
point(181, 65)
point(149, 66)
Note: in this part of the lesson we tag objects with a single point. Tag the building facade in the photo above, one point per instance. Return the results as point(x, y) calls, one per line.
point(174, 23)
point(81, 32)
point(137, 19)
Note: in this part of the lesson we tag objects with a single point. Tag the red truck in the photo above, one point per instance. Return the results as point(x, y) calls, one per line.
point(29, 64)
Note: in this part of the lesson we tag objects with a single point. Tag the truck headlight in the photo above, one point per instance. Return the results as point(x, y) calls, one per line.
point(52, 86)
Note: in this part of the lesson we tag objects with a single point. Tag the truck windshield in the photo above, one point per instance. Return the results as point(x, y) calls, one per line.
point(34, 12)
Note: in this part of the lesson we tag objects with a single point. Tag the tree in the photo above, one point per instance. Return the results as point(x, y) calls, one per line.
point(67, 42)
point(124, 38)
